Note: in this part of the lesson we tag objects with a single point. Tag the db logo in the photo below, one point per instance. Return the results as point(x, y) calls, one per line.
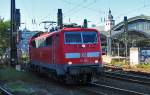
point(83, 54)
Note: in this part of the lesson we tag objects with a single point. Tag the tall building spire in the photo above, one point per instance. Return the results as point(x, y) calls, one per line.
point(110, 15)
point(109, 22)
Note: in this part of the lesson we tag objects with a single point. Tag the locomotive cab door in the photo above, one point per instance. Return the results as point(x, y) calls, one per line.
point(53, 50)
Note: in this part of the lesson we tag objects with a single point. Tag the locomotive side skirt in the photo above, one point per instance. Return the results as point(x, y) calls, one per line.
point(73, 69)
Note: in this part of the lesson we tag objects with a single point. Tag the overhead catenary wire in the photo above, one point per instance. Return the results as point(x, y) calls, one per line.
point(28, 15)
point(66, 1)
point(132, 11)
point(77, 7)
point(89, 5)
point(80, 7)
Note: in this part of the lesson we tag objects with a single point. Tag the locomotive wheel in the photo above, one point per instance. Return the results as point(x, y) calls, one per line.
point(68, 79)
point(32, 68)
point(61, 78)
point(89, 77)
point(53, 75)
point(86, 78)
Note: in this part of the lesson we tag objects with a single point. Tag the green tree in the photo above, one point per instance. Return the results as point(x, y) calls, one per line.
point(4, 35)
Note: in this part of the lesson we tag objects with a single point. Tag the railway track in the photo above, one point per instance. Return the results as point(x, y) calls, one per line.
point(126, 70)
point(4, 91)
point(128, 77)
point(100, 89)
point(118, 90)
point(92, 92)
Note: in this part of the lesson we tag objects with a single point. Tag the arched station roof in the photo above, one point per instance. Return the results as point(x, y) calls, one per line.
point(132, 20)
point(139, 24)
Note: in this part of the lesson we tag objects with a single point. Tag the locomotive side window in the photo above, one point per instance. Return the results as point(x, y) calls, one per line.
point(49, 41)
point(33, 43)
point(40, 42)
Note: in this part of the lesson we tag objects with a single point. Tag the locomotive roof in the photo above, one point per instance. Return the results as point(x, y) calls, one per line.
point(45, 34)
point(78, 29)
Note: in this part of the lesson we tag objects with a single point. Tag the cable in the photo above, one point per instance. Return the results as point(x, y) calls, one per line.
point(137, 9)
point(67, 2)
point(81, 7)
point(75, 7)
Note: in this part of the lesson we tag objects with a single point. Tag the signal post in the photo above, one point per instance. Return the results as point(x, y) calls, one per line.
point(15, 23)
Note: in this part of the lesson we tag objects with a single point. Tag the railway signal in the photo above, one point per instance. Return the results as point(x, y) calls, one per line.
point(85, 23)
point(17, 18)
point(60, 18)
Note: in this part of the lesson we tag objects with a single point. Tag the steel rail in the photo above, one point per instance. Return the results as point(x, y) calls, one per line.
point(91, 92)
point(119, 90)
point(127, 70)
point(128, 77)
point(4, 91)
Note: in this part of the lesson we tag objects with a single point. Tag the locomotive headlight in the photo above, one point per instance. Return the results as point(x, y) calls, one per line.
point(69, 62)
point(83, 46)
point(96, 61)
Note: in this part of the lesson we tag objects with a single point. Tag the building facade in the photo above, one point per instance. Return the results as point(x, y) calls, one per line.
point(24, 37)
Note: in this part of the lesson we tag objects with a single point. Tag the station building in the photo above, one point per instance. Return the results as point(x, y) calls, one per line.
point(137, 34)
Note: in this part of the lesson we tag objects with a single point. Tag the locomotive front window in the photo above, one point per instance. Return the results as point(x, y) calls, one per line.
point(73, 38)
point(80, 37)
point(89, 37)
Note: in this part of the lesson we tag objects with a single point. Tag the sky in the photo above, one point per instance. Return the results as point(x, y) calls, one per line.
point(74, 11)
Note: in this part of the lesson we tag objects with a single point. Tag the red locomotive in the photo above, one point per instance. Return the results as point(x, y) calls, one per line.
point(68, 54)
